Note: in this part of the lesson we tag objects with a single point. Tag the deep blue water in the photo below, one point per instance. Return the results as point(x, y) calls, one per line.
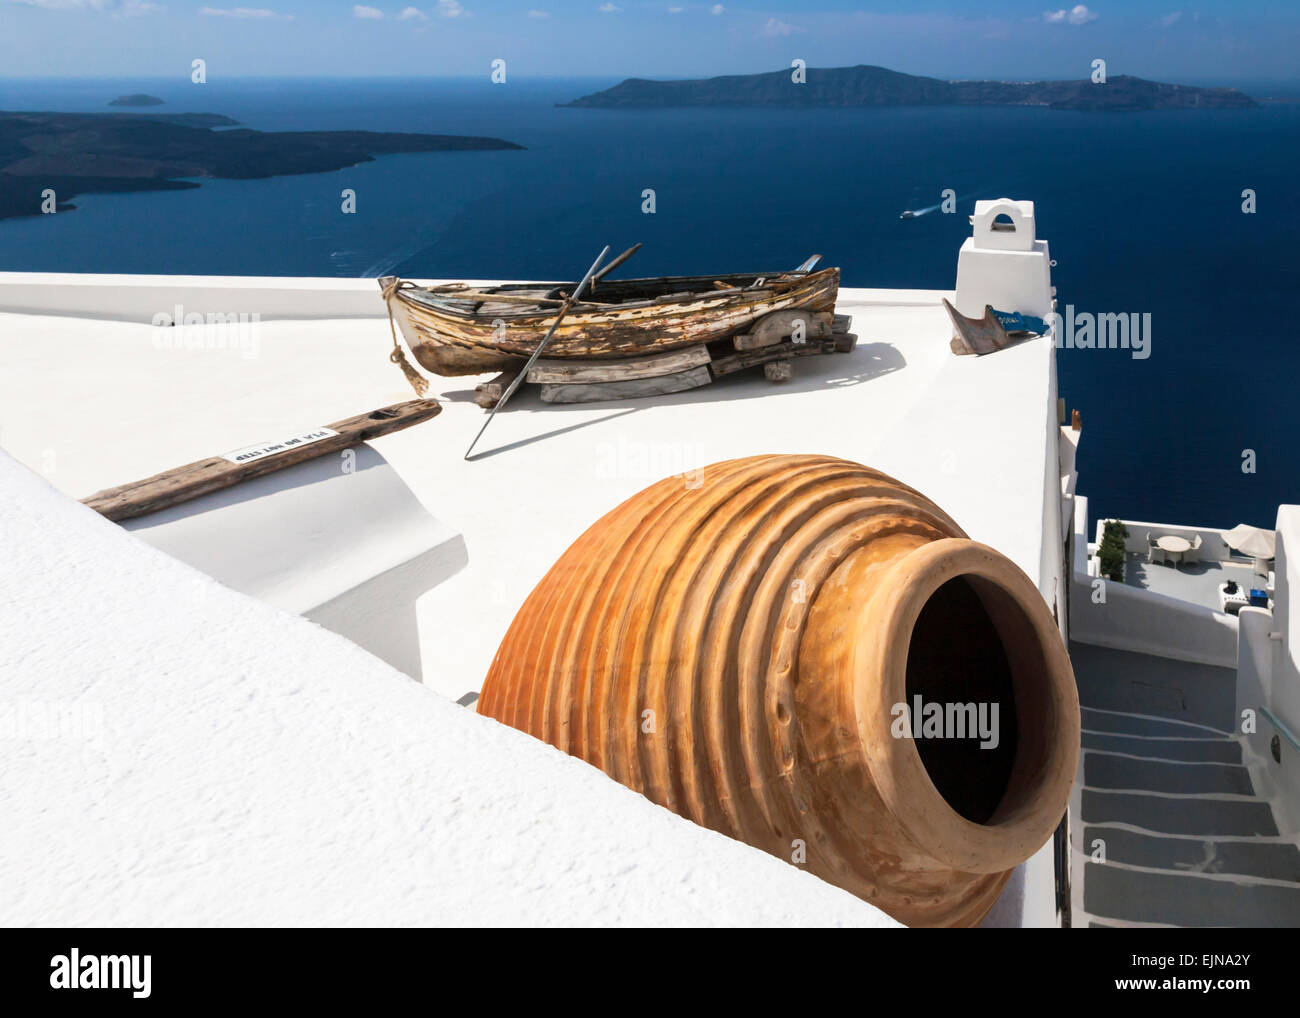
point(1143, 213)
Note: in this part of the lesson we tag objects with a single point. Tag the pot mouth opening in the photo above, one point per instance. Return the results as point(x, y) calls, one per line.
point(961, 702)
point(974, 677)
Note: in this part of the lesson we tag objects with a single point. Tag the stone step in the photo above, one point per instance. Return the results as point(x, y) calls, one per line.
point(1104, 770)
point(1164, 815)
point(1113, 892)
point(1196, 750)
point(1147, 686)
point(1273, 860)
point(1132, 724)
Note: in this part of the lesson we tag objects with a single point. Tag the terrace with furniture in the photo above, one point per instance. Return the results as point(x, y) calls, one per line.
point(1191, 564)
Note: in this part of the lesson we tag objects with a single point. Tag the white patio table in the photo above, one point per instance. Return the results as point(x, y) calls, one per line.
point(1175, 546)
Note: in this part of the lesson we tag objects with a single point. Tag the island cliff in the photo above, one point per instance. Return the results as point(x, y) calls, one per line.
point(77, 153)
point(878, 86)
point(137, 99)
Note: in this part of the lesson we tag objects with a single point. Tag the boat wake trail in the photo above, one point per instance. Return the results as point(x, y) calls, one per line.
point(917, 213)
point(396, 257)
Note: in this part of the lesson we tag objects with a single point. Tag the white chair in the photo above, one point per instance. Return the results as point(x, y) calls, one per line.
point(1193, 554)
point(1155, 553)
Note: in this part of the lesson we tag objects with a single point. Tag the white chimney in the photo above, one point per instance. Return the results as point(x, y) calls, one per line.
point(1003, 263)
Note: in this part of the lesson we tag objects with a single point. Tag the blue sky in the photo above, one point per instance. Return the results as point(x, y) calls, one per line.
point(1168, 40)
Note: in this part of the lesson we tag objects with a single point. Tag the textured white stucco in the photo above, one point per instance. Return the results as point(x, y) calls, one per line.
point(172, 752)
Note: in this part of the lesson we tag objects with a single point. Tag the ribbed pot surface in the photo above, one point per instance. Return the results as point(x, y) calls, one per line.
point(736, 645)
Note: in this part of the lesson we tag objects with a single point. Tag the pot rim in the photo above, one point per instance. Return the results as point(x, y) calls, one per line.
point(1046, 697)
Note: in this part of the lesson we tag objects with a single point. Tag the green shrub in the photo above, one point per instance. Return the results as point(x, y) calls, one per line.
point(1110, 552)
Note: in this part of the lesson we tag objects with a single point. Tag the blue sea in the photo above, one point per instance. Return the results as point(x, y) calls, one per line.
point(1143, 212)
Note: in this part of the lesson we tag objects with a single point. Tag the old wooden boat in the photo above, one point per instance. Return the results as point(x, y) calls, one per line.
point(457, 329)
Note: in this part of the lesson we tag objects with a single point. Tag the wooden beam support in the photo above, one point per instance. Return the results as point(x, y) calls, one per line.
point(571, 371)
point(691, 378)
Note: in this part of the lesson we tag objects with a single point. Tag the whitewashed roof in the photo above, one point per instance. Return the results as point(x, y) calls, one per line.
point(253, 715)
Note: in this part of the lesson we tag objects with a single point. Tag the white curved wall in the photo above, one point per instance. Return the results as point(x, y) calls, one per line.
point(1268, 676)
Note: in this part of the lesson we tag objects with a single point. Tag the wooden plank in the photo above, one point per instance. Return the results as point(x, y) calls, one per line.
point(841, 323)
point(488, 297)
point(488, 394)
point(781, 351)
point(181, 484)
point(629, 388)
point(771, 329)
point(495, 308)
point(571, 371)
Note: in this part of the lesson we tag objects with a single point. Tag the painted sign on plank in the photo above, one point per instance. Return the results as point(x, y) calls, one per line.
point(257, 452)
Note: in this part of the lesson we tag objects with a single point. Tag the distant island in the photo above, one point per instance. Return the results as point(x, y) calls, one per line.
point(137, 99)
point(80, 153)
point(865, 86)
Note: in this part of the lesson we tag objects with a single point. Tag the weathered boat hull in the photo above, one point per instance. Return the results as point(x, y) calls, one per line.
point(449, 341)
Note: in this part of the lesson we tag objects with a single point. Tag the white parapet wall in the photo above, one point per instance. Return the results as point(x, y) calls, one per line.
point(339, 539)
point(1268, 677)
point(141, 298)
point(1111, 614)
point(1286, 648)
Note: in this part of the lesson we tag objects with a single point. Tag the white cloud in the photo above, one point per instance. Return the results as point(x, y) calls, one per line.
point(68, 5)
point(539, 14)
point(412, 14)
point(367, 13)
point(609, 8)
point(1076, 15)
point(257, 13)
point(451, 9)
point(676, 10)
point(716, 9)
point(775, 27)
point(1169, 20)
point(122, 9)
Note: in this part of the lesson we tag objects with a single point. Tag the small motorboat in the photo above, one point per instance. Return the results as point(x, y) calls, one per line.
point(907, 214)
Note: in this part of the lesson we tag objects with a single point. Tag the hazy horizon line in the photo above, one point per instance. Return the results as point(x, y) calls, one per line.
point(183, 78)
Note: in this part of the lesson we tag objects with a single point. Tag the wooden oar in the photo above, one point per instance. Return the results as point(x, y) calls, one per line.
point(614, 264)
point(181, 484)
point(523, 373)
